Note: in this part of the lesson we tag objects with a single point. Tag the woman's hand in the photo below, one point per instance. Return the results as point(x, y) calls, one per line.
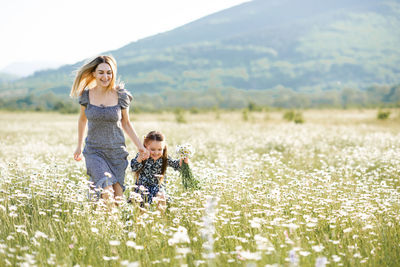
point(78, 154)
point(144, 153)
point(142, 157)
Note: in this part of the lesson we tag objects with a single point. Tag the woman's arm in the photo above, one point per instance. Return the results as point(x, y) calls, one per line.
point(81, 130)
point(130, 131)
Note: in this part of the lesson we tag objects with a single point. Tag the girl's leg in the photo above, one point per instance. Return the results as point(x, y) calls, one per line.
point(108, 193)
point(161, 201)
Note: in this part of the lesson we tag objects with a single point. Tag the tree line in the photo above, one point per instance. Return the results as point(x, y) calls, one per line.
point(224, 98)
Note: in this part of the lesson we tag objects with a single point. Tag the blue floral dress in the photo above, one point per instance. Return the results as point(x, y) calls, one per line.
point(147, 184)
point(105, 151)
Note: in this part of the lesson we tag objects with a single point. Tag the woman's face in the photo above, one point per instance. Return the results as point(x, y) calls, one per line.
point(156, 149)
point(103, 74)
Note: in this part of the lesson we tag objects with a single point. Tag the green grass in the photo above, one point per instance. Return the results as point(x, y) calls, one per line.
point(271, 191)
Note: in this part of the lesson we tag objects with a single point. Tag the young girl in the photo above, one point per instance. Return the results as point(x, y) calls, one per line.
point(150, 170)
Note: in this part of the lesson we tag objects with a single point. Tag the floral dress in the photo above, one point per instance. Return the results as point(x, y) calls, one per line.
point(147, 184)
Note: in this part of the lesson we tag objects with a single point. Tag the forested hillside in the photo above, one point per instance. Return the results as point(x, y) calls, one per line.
point(279, 53)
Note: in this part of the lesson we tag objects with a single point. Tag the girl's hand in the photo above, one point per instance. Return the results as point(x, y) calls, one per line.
point(143, 156)
point(186, 160)
point(78, 154)
point(144, 153)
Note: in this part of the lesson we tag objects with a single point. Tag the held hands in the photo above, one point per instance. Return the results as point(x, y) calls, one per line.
point(143, 154)
point(78, 154)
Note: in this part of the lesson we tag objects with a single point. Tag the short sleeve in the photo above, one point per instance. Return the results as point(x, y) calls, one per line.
point(84, 98)
point(124, 98)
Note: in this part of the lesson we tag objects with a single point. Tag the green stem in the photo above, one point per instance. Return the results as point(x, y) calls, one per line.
point(188, 180)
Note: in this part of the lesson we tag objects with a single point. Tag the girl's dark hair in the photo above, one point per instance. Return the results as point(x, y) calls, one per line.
point(156, 136)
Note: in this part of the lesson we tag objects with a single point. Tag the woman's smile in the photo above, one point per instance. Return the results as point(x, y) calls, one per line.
point(103, 74)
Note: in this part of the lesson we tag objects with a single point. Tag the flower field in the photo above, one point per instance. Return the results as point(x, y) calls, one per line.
point(325, 192)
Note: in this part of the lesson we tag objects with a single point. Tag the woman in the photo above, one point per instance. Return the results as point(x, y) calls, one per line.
point(105, 106)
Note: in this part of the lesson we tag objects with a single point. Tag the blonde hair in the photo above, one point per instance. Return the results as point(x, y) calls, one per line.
point(84, 76)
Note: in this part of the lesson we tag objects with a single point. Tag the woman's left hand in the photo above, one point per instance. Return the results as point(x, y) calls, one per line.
point(186, 160)
point(144, 152)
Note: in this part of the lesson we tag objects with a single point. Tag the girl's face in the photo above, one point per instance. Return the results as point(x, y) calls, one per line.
point(156, 149)
point(103, 74)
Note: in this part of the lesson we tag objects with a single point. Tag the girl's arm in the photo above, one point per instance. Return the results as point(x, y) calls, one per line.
point(136, 163)
point(130, 131)
point(81, 130)
point(176, 163)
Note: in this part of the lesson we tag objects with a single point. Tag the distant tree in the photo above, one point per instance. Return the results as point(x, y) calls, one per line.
point(253, 106)
point(289, 115)
point(245, 114)
point(383, 114)
point(180, 115)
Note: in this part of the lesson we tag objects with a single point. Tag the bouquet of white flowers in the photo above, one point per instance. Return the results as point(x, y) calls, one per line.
point(188, 180)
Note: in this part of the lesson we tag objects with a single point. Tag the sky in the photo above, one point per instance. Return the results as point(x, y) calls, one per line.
point(67, 31)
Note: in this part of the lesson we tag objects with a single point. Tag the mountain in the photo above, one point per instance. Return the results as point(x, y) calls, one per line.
point(29, 67)
point(7, 77)
point(271, 46)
